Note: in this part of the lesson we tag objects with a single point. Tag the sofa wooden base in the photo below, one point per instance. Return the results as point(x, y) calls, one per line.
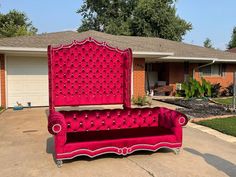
point(176, 150)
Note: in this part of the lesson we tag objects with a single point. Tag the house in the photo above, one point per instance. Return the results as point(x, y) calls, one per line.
point(24, 74)
point(232, 50)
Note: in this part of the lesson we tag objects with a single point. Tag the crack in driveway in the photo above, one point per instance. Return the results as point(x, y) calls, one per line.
point(149, 172)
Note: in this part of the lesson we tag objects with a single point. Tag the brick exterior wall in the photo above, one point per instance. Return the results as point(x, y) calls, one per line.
point(224, 81)
point(3, 82)
point(176, 74)
point(138, 77)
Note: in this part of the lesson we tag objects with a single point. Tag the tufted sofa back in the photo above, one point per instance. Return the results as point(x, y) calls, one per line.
point(89, 73)
point(78, 121)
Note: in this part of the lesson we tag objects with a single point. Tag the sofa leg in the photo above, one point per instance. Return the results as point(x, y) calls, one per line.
point(177, 150)
point(59, 163)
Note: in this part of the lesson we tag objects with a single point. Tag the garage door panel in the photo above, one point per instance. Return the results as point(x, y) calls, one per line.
point(27, 79)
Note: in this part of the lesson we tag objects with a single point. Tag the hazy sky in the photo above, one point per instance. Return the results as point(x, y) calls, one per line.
point(210, 18)
point(214, 19)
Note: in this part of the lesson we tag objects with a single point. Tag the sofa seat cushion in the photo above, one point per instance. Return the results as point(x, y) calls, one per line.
point(91, 136)
point(123, 141)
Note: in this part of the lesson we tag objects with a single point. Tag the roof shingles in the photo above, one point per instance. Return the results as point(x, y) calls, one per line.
point(232, 50)
point(147, 44)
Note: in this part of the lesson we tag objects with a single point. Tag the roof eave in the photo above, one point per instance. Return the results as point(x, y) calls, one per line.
point(152, 56)
point(226, 60)
point(145, 54)
point(23, 51)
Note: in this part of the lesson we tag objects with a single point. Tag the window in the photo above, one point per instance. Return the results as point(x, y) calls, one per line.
point(213, 70)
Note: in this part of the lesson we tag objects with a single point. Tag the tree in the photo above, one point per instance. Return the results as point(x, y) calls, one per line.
point(232, 42)
point(207, 43)
point(15, 23)
point(154, 18)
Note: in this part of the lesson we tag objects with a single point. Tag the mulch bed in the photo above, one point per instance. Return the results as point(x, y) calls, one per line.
point(199, 108)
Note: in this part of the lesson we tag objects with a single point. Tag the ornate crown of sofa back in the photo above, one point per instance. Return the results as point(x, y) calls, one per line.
point(89, 73)
point(93, 73)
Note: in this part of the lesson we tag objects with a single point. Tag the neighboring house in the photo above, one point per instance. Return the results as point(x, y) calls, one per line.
point(24, 76)
point(232, 50)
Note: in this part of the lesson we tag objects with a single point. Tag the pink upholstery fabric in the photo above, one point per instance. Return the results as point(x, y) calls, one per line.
point(79, 121)
point(90, 72)
point(172, 118)
point(91, 132)
point(56, 124)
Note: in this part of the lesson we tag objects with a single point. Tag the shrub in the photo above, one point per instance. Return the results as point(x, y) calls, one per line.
point(180, 93)
point(230, 90)
point(215, 90)
point(140, 100)
point(206, 88)
point(193, 88)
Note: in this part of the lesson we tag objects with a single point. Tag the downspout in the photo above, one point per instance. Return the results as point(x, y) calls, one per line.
point(208, 64)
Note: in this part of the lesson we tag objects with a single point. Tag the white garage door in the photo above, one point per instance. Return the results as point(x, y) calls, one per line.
point(27, 81)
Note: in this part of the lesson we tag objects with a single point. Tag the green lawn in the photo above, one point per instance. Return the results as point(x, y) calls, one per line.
point(224, 125)
point(227, 101)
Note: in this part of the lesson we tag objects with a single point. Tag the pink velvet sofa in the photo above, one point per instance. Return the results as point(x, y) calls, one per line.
point(93, 73)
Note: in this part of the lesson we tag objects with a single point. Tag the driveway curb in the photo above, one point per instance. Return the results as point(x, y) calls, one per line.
point(210, 118)
point(213, 132)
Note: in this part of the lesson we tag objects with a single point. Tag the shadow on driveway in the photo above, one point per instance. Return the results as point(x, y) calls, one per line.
point(50, 147)
point(219, 163)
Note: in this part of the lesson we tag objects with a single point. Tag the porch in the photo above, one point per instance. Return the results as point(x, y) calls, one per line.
point(161, 78)
point(154, 73)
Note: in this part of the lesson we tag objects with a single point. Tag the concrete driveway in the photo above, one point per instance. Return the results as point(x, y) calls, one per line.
point(26, 150)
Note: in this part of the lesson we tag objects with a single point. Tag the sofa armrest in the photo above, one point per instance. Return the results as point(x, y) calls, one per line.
point(56, 124)
point(179, 119)
point(170, 118)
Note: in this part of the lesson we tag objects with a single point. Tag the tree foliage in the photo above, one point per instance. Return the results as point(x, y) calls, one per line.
point(15, 23)
point(232, 42)
point(154, 18)
point(208, 44)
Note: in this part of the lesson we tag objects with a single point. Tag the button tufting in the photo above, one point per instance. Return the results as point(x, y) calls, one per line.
point(124, 121)
point(139, 113)
point(98, 72)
